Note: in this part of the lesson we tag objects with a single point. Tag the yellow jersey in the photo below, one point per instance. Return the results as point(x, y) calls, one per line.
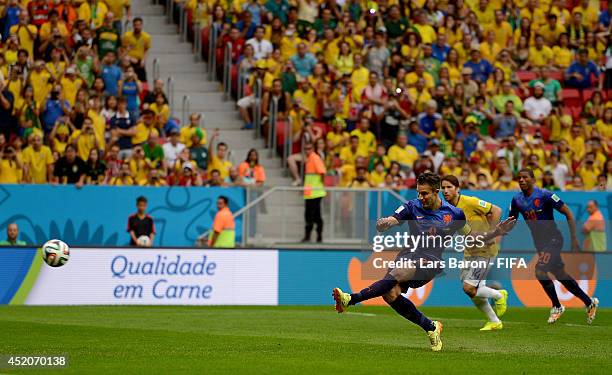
point(476, 211)
point(38, 162)
point(136, 46)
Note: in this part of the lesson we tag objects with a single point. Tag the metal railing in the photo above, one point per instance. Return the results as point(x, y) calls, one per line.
point(170, 11)
point(287, 143)
point(243, 78)
point(170, 89)
point(212, 49)
point(258, 92)
point(155, 69)
point(197, 41)
point(347, 215)
point(227, 71)
point(183, 22)
point(272, 122)
point(185, 109)
point(126, 26)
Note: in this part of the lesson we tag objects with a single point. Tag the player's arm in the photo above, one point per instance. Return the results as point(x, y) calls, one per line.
point(501, 229)
point(571, 222)
point(402, 213)
point(385, 223)
point(494, 215)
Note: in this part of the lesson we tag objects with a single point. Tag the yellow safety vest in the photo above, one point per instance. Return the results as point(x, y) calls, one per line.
point(226, 239)
point(313, 186)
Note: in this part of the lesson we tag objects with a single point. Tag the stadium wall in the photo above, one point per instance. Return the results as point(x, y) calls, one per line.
point(97, 215)
point(165, 276)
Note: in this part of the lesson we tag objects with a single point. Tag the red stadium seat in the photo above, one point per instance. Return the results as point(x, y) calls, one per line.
point(526, 76)
point(330, 181)
point(576, 111)
point(572, 98)
point(556, 74)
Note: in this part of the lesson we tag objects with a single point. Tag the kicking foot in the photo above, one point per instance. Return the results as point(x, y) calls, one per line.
point(592, 310)
point(501, 305)
point(492, 326)
point(342, 300)
point(435, 337)
point(555, 314)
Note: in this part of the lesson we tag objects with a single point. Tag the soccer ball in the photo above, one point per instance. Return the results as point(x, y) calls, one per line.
point(55, 253)
point(143, 241)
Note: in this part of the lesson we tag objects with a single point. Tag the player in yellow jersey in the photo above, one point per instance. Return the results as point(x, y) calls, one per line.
point(480, 215)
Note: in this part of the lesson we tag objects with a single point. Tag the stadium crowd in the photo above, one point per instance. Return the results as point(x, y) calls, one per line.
point(75, 106)
point(388, 89)
point(384, 90)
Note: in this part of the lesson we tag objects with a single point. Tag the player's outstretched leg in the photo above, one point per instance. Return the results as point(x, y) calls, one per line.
point(408, 310)
point(377, 289)
point(572, 286)
point(549, 287)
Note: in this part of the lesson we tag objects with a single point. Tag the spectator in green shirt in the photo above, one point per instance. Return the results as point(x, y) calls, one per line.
point(154, 152)
point(12, 233)
point(499, 100)
point(552, 87)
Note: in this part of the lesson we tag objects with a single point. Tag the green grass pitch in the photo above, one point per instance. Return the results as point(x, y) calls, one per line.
point(308, 340)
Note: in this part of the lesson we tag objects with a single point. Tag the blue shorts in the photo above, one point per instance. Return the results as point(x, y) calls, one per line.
point(549, 256)
point(422, 275)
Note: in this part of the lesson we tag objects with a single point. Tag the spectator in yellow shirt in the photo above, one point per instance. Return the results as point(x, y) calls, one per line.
point(540, 54)
point(188, 131)
point(37, 161)
point(360, 76)
point(26, 33)
point(54, 23)
point(85, 139)
point(93, 13)
point(144, 127)
point(502, 28)
point(426, 32)
point(218, 161)
point(403, 153)
point(367, 139)
point(137, 43)
point(10, 166)
point(71, 84)
point(338, 137)
point(350, 153)
point(552, 30)
point(588, 172)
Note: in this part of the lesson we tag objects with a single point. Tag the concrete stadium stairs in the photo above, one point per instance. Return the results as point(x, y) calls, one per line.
point(190, 78)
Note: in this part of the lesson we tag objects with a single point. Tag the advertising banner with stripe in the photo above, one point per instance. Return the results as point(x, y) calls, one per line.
point(141, 277)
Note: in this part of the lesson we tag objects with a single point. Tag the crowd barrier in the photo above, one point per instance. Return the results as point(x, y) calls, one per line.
point(97, 215)
point(164, 276)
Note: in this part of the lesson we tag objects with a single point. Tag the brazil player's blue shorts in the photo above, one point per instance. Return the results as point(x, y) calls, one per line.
point(549, 256)
point(423, 275)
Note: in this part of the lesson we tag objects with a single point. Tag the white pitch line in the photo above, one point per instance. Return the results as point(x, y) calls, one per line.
point(360, 313)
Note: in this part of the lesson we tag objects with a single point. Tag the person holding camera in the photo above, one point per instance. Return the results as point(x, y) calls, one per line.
point(55, 107)
point(11, 167)
point(85, 139)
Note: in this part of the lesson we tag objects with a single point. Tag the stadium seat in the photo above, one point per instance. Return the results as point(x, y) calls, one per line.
point(330, 180)
point(556, 74)
point(526, 76)
point(572, 98)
